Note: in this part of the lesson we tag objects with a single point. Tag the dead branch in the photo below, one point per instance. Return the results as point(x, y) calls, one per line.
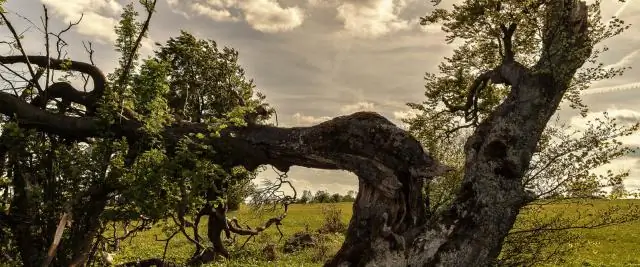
point(99, 79)
point(272, 194)
point(17, 38)
point(181, 228)
point(56, 239)
point(47, 48)
point(60, 42)
point(166, 243)
point(235, 227)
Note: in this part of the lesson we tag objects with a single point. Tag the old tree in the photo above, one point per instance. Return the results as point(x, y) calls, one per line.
point(391, 224)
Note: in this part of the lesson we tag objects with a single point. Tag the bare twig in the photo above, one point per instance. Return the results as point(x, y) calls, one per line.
point(88, 47)
point(184, 232)
point(47, 47)
point(60, 43)
point(166, 243)
point(21, 48)
point(272, 194)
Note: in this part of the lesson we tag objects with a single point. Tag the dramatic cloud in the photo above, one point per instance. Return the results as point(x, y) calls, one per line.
point(213, 13)
point(262, 15)
point(270, 16)
point(98, 16)
point(372, 18)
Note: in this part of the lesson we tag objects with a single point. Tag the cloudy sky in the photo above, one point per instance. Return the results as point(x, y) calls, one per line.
point(316, 59)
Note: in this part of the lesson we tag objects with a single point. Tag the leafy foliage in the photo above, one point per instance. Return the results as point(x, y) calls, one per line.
point(138, 182)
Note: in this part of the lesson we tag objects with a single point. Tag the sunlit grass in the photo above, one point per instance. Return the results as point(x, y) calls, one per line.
point(610, 246)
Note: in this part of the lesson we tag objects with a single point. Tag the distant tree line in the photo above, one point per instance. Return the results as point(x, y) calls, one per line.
point(322, 196)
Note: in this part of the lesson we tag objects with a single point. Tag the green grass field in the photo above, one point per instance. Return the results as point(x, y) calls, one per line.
point(611, 246)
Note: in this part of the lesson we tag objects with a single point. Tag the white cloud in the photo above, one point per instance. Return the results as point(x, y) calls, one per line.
point(262, 15)
point(360, 106)
point(369, 18)
point(270, 16)
point(212, 12)
point(303, 120)
point(600, 90)
point(372, 18)
point(399, 115)
point(632, 182)
point(95, 22)
point(174, 5)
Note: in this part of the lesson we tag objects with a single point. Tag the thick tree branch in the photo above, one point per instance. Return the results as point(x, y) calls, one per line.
point(68, 93)
point(566, 41)
point(510, 72)
point(390, 163)
point(62, 89)
point(235, 227)
point(348, 142)
point(470, 106)
point(99, 79)
point(507, 36)
point(30, 116)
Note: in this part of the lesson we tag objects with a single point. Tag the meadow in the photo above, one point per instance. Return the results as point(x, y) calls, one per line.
point(617, 245)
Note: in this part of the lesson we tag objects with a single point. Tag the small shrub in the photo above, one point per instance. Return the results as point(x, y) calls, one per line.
point(321, 250)
point(332, 220)
point(269, 252)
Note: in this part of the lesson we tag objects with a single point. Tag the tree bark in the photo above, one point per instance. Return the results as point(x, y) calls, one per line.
point(390, 225)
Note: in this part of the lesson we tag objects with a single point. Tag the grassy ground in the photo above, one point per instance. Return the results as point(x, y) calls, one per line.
point(617, 245)
point(611, 246)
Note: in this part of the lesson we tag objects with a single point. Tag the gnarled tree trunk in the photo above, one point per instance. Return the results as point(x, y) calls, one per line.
point(390, 225)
